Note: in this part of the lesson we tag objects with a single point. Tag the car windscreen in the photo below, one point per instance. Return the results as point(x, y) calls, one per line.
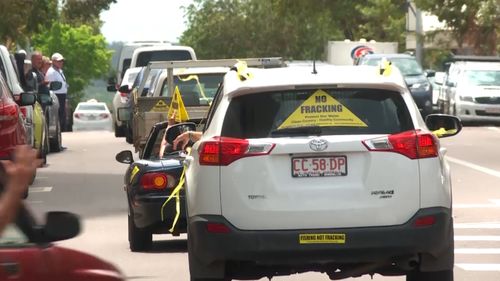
point(164, 55)
point(91, 107)
point(407, 66)
point(483, 77)
point(196, 89)
point(316, 112)
point(126, 65)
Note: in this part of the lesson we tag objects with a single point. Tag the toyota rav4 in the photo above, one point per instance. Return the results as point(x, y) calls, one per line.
point(329, 169)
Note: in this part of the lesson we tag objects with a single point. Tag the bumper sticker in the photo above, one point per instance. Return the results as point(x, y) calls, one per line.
point(322, 238)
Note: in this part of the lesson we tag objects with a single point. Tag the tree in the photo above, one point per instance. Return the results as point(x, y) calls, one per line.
point(288, 28)
point(86, 54)
point(475, 23)
point(78, 12)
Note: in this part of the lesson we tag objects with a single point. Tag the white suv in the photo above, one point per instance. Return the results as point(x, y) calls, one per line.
point(333, 171)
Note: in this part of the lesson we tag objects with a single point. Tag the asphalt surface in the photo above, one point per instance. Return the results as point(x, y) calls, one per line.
point(87, 180)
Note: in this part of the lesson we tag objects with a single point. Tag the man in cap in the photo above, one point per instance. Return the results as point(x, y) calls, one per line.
point(55, 73)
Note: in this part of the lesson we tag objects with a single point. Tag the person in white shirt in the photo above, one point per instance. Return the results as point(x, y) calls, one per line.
point(55, 73)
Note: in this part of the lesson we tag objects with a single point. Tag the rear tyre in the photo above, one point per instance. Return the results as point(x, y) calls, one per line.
point(119, 131)
point(55, 143)
point(128, 136)
point(139, 239)
point(444, 275)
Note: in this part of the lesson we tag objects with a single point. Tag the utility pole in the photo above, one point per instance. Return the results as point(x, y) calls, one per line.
point(419, 33)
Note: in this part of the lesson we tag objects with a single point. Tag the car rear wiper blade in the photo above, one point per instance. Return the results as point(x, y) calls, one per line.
point(307, 130)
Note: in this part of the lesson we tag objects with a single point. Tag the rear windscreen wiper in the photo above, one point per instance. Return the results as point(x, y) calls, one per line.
point(307, 130)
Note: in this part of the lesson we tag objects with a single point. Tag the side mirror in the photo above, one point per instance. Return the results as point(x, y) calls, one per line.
point(124, 89)
point(111, 88)
point(177, 129)
point(27, 99)
point(55, 85)
point(125, 157)
point(123, 114)
point(45, 99)
point(443, 125)
point(430, 73)
point(61, 226)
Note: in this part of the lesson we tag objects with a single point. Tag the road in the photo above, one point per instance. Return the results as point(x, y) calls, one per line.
point(86, 179)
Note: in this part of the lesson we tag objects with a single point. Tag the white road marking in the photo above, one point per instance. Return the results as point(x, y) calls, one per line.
point(475, 225)
point(477, 238)
point(471, 206)
point(477, 251)
point(479, 266)
point(40, 189)
point(494, 128)
point(482, 169)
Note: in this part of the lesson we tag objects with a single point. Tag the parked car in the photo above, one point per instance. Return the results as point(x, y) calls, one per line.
point(471, 91)
point(332, 170)
point(12, 130)
point(92, 115)
point(9, 70)
point(149, 181)
point(28, 253)
point(437, 86)
point(120, 99)
point(416, 79)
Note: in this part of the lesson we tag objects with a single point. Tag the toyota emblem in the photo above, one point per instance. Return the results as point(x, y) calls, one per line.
point(318, 144)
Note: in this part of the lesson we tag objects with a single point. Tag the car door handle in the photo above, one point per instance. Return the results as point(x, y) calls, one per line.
point(10, 268)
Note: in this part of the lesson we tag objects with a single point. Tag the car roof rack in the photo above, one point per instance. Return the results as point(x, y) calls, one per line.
point(270, 62)
point(465, 58)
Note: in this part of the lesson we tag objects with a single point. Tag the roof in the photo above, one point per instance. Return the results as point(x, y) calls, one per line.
point(291, 77)
point(475, 65)
point(389, 56)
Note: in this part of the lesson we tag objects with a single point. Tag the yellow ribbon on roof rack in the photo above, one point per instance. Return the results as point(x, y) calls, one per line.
point(241, 68)
point(385, 67)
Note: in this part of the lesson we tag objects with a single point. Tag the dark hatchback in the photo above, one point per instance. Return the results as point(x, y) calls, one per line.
point(148, 183)
point(415, 77)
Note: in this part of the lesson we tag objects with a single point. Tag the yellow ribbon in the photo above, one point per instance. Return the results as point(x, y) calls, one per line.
point(196, 78)
point(175, 194)
point(442, 132)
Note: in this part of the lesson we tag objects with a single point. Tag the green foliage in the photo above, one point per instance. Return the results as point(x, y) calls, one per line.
point(20, 19)
point(86, 54)
point(475, 23)
point(291, 29)
point(78, 12)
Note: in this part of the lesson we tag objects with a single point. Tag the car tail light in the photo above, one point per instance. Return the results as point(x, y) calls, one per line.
point(104, 115)
point(77, 115)
point(222, 151)
point(217, 228)
point(424, 221)
point(157, 181)
point(123, 95)
point(412, 144)
point(24, 111)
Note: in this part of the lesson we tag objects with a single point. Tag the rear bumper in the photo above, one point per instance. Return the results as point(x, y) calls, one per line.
point(146, 211)
point(469, 111)
point(282, 247)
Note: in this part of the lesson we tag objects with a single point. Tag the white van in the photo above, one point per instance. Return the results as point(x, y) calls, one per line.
point(143, 55)
point(126, 55)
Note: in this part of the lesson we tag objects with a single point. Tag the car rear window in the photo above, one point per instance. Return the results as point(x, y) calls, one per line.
point(287, 113)
point(196, 89)
point(91, 107)
point(166, 55)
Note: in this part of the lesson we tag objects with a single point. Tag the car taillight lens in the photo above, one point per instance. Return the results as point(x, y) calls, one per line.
point(77, 115)
point(425, 221)
point(157, 181)
point(24, 111)
point(413, 144)
point(222, 151)
point(217, 228)
point(104, 115)
point(123, 95)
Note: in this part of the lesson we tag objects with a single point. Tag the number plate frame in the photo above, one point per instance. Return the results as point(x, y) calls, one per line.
point(324, 173)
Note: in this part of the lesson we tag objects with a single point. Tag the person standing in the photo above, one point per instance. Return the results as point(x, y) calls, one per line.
point(37, 64)
point(55, 73)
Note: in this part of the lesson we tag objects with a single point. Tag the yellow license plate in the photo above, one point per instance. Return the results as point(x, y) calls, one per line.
point(322, 238)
